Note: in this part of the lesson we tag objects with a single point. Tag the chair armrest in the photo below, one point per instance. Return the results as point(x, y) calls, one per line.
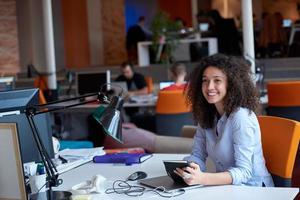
point(169, 144)
point(188, 131)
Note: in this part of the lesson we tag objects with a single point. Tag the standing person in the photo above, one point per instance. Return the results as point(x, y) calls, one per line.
point(226, 33)
point(228, 130)
point(178, 73)
point(136, 83)
point(135, 34)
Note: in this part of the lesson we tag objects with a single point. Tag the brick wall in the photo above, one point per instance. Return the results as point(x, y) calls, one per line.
point(9, 48)
point(113, 31)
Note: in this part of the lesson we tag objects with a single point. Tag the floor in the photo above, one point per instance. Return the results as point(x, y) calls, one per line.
point(296, 174)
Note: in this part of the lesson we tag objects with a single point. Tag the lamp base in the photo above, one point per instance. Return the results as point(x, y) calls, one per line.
point(51, 195)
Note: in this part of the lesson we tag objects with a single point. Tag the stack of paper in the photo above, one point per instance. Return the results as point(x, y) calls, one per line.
point(77, 157)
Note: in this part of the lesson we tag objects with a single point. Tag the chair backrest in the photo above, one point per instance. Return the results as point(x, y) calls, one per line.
point(41, 83)
point(172, 113)
point(284, 100)
point(280, 139)
point(149, 82)
point(171, 102)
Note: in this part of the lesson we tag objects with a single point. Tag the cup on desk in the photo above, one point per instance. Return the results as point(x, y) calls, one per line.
point(56, 146)
point(38, 183)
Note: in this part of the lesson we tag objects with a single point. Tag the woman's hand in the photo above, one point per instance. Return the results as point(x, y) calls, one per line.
point(191, 175)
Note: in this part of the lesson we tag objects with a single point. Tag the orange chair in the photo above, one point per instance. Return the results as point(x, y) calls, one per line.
point(41, 83)
point(284, 99)
point(149, 82)
point(172, 113)
point(280, 140)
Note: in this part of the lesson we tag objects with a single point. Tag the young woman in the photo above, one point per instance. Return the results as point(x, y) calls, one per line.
point(224, 101)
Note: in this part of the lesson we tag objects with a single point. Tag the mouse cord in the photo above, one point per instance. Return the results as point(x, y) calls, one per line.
point(123, 187)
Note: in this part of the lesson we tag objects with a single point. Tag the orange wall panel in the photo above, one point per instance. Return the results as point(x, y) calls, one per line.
point(177, 8)
point(76, 39)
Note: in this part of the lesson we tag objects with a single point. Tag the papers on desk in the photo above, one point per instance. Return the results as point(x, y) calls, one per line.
point(77, 157)
point(143, 98)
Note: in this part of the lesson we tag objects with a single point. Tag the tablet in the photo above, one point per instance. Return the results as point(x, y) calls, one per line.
point(171, 165)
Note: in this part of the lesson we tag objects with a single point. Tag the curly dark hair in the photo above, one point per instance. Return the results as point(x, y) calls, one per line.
point(241, 91)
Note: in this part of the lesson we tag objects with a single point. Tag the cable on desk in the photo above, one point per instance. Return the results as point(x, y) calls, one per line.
point(123, 187)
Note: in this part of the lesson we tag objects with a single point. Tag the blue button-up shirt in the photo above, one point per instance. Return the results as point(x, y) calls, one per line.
point(234, 145)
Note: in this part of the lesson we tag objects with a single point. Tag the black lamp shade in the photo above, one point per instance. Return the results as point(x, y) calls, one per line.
point(110, 118)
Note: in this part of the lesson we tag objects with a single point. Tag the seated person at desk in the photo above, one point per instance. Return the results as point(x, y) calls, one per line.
point(136, 85)
point(228, 130)
point(178, 73)
point(135, 82)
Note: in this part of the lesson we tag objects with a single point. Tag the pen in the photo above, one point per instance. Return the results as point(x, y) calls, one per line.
point(63, 160)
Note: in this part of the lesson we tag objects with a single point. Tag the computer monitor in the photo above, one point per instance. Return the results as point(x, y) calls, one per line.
point(91, 82)
point(12, 107)
point(203, 27)
point(165, 84)
point(17, 100)
point(7, 83)
point(12, 182)
point(287, 23)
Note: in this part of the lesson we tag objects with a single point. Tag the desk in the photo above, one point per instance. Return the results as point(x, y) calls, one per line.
point(154, 167)
point(91, 107)
point(143, 48)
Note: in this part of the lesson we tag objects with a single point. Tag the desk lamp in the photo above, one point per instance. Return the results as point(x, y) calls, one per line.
point(110, 120)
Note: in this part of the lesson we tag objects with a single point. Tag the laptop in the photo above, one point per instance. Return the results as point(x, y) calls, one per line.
point(165, 84)
point(117, 87)
point(167, 183)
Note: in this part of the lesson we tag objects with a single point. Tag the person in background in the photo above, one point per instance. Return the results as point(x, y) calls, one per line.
point(178, 74)
point(136, 83)
point(224, 101)
point(135, 34)
point(226, 33)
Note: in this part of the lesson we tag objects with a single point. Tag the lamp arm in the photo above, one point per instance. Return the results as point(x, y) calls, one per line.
point(42, 108)
point(52, 174)
point(100, 97)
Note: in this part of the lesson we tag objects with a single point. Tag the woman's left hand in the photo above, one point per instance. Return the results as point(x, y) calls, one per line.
point(191, 175)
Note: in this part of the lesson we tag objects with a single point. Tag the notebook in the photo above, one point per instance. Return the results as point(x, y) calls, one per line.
point(125, 158)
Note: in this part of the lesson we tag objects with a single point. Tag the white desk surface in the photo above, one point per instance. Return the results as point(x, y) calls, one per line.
point(154, 167)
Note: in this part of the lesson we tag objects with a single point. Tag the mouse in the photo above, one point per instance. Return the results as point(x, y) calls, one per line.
point(136, 176)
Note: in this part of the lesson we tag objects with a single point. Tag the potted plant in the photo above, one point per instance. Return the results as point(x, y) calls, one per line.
point(165, 37)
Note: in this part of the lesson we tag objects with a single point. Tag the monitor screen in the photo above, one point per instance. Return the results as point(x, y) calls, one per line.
point(11, 168)
point(287, 23)
point(203, 27)
point(165, 84)
point(6, 83)
point(91, 82)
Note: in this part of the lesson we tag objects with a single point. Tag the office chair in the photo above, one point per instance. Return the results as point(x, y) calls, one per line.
point(149, 82)
point(280, 140)
point(284, 99)
point(172, 113)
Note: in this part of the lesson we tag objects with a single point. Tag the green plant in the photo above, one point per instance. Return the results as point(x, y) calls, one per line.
point(165, 37)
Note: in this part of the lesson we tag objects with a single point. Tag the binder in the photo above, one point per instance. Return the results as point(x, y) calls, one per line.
point(125, 158)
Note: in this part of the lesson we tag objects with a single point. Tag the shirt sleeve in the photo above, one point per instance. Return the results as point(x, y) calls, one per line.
point(139, 81)
point(243, 146)
point(199, 153)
